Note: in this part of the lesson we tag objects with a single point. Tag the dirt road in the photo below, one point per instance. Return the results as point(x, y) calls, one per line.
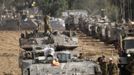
point(9, 52)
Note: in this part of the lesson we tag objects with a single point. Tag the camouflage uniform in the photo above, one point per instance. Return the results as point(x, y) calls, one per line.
point(112, 69)
point(47, 26)
point(103, 66)
point(130, 67)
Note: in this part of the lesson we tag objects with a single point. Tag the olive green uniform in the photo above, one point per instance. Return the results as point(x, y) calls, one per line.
point(130, 68)
point(47, 26)
point(103, 66)
point(112, 69)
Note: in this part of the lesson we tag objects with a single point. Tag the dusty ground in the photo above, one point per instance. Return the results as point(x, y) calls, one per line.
point(94, 48)
point(9, 51)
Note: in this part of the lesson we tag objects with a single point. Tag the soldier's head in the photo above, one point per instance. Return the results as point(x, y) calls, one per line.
point(103, 56)
point(104, 60)
point(99, 59)
point(110, 60)
point(46, 17)
point(81, 54)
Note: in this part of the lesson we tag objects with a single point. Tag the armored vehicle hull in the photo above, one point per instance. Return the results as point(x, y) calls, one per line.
point(69, 68)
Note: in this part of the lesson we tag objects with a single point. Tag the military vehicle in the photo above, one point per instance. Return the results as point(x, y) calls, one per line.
point(65, 39)
point(126, 47)
point(30, 56)
point(35, 60)
point(57, 24)
point(39, 49)
point(8, 19)
point(41, 64)
point(70, 23)
point(72, 18)
point(99, 29)
point(34, 39)
point(112, 33)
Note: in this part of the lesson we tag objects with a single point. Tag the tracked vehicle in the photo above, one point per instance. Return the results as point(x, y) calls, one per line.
point(126, 48)
point(36, 61)
point(65, 39)
point(41, 49)
point(40, 64)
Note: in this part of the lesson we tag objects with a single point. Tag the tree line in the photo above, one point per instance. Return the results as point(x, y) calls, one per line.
point(114, 8)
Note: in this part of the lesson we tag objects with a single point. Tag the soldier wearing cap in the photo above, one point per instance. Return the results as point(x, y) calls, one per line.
point(112, 67)
point(103, 65)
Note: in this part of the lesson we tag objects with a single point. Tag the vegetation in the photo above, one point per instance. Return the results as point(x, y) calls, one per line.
point(53, 7)
point(126, 8)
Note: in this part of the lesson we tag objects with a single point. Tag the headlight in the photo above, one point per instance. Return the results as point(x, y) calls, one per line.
point(128, 55)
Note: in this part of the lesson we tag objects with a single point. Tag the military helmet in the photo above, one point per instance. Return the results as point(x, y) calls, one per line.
point(47, 17)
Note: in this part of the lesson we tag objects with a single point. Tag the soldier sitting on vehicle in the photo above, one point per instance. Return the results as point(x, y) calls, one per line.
point(55, 62)
point(27, 55)
point(35, 33)
point(22, 35)
point(81, 56)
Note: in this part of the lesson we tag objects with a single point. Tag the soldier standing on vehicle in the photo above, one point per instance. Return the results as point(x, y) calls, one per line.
point(130, 67)
point(112, 68)
point(47, 26)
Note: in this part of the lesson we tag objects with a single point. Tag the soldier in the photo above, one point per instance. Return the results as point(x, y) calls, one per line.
point(81, 56)
point(112, 68)
point(130, 67)
point(22, 35)
point(103, 58)
point(55, 62)
point(35, 33)
point(103, 66)
point(47, 26)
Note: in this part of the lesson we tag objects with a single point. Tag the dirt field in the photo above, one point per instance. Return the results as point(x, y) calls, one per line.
point(94, 48)
point(9, 52)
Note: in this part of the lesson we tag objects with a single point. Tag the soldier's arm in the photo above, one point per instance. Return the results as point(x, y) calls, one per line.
point(117, 68)
point(108, 68)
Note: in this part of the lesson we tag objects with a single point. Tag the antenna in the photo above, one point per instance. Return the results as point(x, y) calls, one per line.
point(131, 9)
point(123, 9)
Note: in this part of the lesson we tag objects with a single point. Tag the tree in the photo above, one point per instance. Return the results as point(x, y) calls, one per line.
point(53, 7)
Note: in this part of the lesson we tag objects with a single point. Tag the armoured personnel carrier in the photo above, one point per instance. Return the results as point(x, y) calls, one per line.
point(112, 32)
point(52, 54)
point(126, 48)
point(72, 18)
point(65, 39)
point(37, 59)
point(41, 64)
